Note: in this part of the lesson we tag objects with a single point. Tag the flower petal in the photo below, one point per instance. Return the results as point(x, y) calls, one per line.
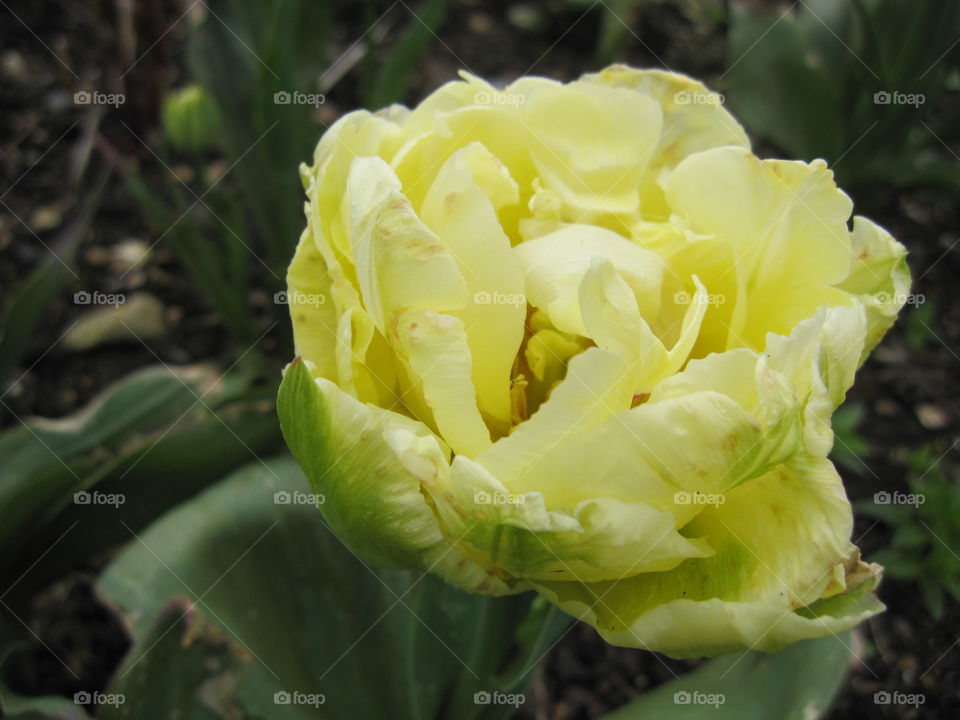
point(370, 466)
point(783, 571)
point(601, 538)
point(312, 311)
point(787, 224)
point(724, 420)
point(460, 209)
point(694, 119)
point(880, 277)
point(592, 157)
point(434, 347)
point(400, 263)
point(820, 358)
point(554, 265)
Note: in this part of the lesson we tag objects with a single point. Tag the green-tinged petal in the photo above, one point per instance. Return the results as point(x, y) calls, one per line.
point(723, 421)
point(601, 538)
point(592, 155)
point(787, 224)
point(554, 265)
point(820, 358)
point(880, 277)
point(312, 311)
point(400, 263)
point(369, 467)
point(783, 570)
point(434, 347)
point(652, 470)
point(694, 119)
point(461, 209)
point(762, 432)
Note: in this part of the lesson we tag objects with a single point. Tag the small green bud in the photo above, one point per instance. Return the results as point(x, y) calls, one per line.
point(191, 119)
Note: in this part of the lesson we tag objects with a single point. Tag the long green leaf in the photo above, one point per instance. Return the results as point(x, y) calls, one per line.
point(275, 603)
point(796, 683)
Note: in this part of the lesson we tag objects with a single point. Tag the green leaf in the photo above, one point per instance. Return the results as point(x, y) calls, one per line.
point(181, 637)
point(402, 60)
point(243, 54)
point(796, 683)
point(26, 310)
point(934, 597)
point(140, 446)
point(777, 88)
point(275, 603)
point(616, 18)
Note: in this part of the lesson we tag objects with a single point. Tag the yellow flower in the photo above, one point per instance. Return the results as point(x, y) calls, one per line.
point(577, 338)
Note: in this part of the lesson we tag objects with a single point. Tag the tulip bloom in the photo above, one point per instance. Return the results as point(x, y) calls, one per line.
point(577, 338)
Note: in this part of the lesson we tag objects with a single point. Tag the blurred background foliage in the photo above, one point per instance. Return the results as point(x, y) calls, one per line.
point(171, 405)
